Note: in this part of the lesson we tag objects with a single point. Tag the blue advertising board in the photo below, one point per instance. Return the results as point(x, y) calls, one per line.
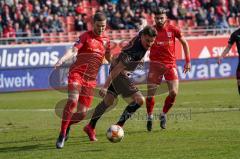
point(30, 68)
point(208, 68)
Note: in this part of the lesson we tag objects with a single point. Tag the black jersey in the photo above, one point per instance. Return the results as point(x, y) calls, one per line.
point(235, 37)
point(132, 54)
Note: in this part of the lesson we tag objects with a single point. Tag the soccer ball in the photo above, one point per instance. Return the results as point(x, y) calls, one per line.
point(115, 133)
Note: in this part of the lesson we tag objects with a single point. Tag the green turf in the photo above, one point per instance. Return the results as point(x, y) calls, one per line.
point(204, 124)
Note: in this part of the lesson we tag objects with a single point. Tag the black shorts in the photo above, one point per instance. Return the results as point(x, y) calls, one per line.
point(122, 85)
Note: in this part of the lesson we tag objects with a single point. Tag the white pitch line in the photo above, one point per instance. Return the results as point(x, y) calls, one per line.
point(27, 110)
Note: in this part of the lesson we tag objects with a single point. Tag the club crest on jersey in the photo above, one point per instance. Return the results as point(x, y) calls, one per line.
point(105, 43)
point(169, 34)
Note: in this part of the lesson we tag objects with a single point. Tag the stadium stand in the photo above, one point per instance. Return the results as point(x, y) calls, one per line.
point(35, 21)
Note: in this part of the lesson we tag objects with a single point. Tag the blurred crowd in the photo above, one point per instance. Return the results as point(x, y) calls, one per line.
point(27, 18)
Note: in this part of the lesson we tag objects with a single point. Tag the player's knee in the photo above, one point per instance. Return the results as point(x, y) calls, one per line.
point(73, 96)
point(71, 105)
point(109, 99)
point(108, 102)
point(140, 100)
point(82, 115)
point(173, 93)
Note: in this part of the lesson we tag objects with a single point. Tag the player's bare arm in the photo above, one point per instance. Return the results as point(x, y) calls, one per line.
point(224, 53)
point(108, 56)
point(187, 66)
point(68, 55)
point(113, 74)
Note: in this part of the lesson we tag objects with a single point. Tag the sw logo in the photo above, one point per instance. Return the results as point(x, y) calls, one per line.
point(169, 34)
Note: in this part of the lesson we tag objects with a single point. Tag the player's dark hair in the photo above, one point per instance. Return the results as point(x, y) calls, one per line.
point(160, 11)
point(99, 16)
point(150, 31)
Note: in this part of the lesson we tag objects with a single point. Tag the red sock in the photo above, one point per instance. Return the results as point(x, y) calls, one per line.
point(150, 104)
point(67, 115)
point(168, 104)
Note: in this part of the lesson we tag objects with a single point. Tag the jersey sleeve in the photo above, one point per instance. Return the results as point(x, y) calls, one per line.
point(178, 33)
point(81, 40)
point(130, 44)
point(232, 39)
point(108, 47)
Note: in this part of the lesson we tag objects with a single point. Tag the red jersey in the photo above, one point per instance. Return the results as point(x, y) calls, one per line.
point(163, 49)
point(91, 52)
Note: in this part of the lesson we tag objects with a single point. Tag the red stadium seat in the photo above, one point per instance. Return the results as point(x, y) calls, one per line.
point(132, 32)
point(191, 23)
point(72, 36)
point(123, 34)
point(63, 37)
point(54, 38)
point(150, 19)
point(46, 38)
point(70, 23)
point(173, 22)
point(89, 26)
point(86, 3)
point(93, 11)
point(70, 20)
point(181, 23)
point(94, 3)
point(113, 34)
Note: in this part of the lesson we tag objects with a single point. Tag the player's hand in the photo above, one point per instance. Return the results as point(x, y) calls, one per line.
point(58, 64)
point(219, 60)
point(187, 67)
point(103, 92)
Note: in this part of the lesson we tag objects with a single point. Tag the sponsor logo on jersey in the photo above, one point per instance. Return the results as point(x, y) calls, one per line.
point(169, 34)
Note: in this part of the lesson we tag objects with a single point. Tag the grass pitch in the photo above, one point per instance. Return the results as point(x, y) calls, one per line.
point(203, 124)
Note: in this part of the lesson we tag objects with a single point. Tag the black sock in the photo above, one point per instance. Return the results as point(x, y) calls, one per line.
point(99, 111)
point(127, 113)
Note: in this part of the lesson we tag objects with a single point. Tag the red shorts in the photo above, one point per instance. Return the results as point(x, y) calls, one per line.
point(157, 72)
point(85, 88)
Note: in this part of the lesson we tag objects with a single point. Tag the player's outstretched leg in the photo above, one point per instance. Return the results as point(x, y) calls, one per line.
point(167, 105)
point(66, 118)
point(127, 113)
point(169, 101)
point(138, 101)
point(89, 129)
point(150, 102)
point(99, 111)
point(76, 118)
point(150, 105)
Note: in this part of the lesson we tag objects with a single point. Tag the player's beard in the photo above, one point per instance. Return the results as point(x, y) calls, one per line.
point(98, 32)
point(159, 24)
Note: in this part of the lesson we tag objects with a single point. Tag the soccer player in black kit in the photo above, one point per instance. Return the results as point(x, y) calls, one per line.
point(235, 37)
point(118, 82)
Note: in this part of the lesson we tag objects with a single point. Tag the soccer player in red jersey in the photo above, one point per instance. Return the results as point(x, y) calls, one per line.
point(163, 64)
point(91, 48)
